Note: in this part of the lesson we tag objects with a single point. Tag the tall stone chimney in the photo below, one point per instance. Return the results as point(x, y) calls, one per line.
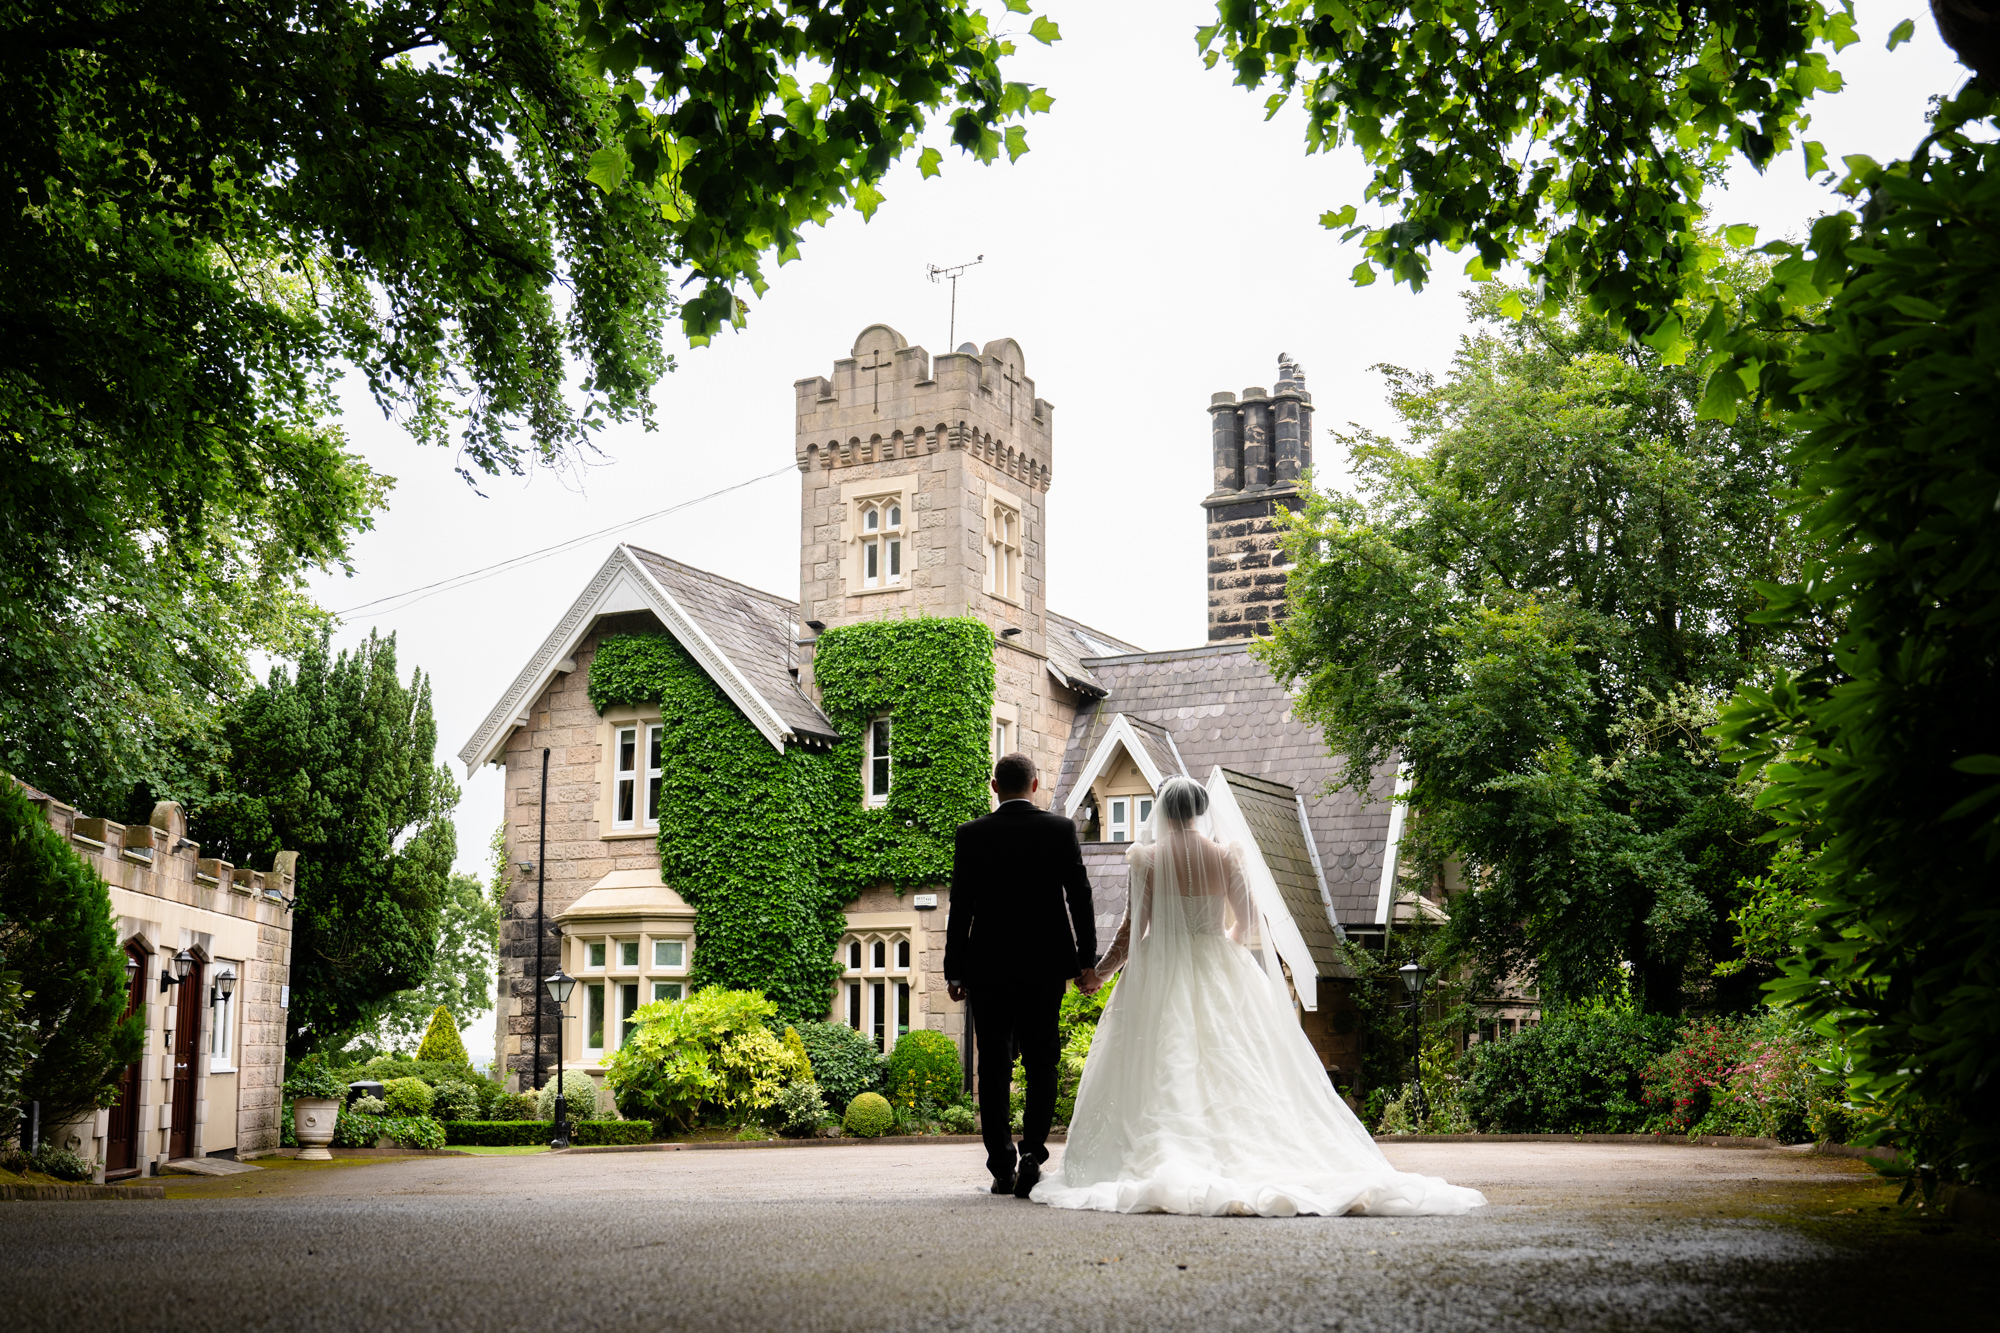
point(1262, 445)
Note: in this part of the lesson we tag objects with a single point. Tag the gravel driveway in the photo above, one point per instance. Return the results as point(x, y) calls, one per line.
point(901, 1237)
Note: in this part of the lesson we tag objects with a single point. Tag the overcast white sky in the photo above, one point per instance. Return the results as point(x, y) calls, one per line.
point(1158, 243)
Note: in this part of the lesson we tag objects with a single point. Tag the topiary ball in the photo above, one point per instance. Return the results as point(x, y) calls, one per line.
point(579, 1096)
point(868, 1116)
point(408, 1096)
point(924, 1070)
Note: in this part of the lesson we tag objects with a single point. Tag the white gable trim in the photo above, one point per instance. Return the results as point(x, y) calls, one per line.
point(1280, 932)
point(621, 584)
point(1120, 732)
point(1393, 845)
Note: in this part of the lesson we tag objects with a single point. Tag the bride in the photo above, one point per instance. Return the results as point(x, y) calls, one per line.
point(1201, 1095)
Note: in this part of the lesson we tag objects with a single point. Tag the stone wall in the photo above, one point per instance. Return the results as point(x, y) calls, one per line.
point(578, 854)
point(168, 898)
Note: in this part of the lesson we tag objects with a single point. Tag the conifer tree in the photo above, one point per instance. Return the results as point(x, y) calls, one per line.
point(441, 1040)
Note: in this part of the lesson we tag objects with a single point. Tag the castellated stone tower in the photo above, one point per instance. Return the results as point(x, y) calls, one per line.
point(924, 483)
point(1262, 445)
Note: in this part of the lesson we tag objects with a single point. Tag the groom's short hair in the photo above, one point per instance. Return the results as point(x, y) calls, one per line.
point(1014, 772)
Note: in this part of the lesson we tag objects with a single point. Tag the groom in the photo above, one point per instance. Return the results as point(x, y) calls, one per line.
point(1020, 929)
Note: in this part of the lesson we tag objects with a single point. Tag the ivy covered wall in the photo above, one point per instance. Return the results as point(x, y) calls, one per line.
point(768, 848)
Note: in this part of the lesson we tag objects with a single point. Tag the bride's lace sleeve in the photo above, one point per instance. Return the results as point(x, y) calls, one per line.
point(1139, 895)
point(1237, 889)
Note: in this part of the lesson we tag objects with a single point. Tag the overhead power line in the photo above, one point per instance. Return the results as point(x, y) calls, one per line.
point(411, 596)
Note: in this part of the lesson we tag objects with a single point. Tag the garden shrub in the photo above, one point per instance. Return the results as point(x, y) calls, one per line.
point(869, 1116)
point(455, 1101)
point(799, 1109)
point(18, 1044)
point(1069, 1069)
point(797, 1046)
point(441, 1043)
point(500, 1133)
point(713, 1049)
point(408, 1096)
point(62, 1164)
point(382, 1068)
point(1580, 1072)
point(368, 1105)
point(925, 1073)
point(593, 1133)
point(845, 1064)
point(61, 940)
point(313, 1077)
point(958, 1120)
point(579, 1097)
point(356, 1129)
point(1753, 1075)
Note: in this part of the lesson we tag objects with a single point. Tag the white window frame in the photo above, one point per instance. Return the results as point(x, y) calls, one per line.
point(1118, 825)
point(222, 1019)
point(1006, 537)
point(881, 730)
point(642, 779)
point(880, 520)
point(603, 956)
point(675, 969)
point(1003, 737)
point(602, 987)
point(659, 983)
point(872, 996)
point(617, 955)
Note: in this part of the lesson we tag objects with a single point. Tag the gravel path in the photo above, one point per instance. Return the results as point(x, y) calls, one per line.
point(901, 1237)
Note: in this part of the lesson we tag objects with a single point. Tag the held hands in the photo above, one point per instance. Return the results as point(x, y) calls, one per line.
point(1088, 981)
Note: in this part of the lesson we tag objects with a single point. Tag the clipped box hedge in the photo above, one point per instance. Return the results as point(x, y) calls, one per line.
point(527, 1133)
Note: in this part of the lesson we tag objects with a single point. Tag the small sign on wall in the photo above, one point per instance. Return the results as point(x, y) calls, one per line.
point(927, 902)
point(284, 997)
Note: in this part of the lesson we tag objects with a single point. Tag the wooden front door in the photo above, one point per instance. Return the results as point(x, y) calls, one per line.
point(187, 1050)
point(121, 1149)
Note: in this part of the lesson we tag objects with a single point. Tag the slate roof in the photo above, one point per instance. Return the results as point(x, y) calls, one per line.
point(1223, 708)
point(1070, 641)
point(1159, 743)
point(755, 630)
point(1108, 886)
point(1272, 811)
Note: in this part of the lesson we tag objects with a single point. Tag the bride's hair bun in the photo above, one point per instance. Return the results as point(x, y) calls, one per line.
point(1183, 800)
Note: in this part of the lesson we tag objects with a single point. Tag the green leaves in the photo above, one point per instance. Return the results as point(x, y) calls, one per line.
point(760, 158)
point(1532, 605)
point(769, 847)
point(608, 166)
point(1901, 33)
point(1574, 139)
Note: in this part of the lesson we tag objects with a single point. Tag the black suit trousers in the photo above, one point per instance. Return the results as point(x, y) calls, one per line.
point(1009, 1016)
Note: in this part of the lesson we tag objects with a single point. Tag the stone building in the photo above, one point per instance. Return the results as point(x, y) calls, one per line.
point(922, 492)
point(210, 1080)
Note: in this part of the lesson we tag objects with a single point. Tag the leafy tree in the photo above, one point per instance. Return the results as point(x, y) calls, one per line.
point(479, 205)
point(1882, 761)
point(1535, 605)
point(462, 969)
point(334, 763)
point(59, 940)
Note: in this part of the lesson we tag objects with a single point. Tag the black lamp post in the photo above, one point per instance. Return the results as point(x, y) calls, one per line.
point(559, 987)
point(1413, 975)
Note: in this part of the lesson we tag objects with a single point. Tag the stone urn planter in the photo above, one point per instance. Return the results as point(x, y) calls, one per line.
point(313, 1119)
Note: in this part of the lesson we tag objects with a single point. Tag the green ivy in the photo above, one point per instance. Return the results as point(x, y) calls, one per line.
point(934, 677)
point(769, 847)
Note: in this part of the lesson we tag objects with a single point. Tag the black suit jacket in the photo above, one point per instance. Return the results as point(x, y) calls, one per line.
point(1020, 898)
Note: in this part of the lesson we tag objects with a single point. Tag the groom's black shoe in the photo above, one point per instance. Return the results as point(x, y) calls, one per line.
point(1003, 1184)
point(1026, 1179)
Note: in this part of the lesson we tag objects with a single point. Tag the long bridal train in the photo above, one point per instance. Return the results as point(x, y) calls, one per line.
point(1201, 1095)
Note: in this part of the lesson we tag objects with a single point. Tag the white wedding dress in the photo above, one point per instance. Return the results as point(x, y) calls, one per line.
point(1200, 1094)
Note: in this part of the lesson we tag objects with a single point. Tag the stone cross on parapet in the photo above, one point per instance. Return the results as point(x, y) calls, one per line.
point(878, 359)
point(1013, 382)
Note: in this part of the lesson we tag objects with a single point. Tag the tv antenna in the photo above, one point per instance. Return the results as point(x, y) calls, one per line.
point(934, 273)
